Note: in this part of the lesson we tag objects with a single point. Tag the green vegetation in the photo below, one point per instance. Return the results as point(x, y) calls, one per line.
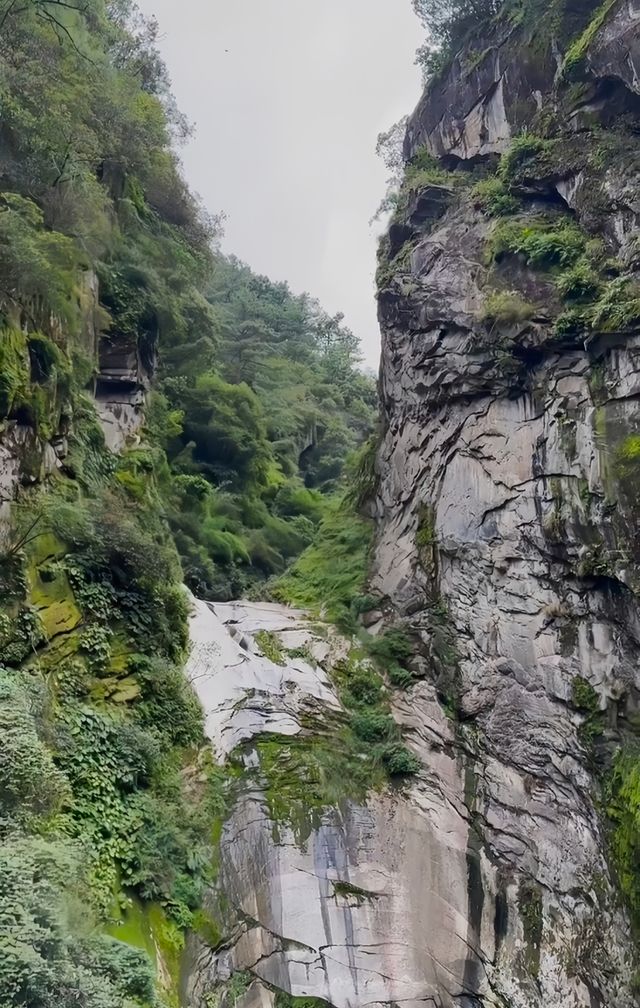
point(493, 196)
point(618, 306)
point(285, 1000)
point(530, 906)
point(448, 23)
point(309, 774)
point(506, 307)
point(623, 809)
point(424, 169)
point(543, 243)
point(577, 51)
point(257, 449)
point(270, 645)
point(109, 801)
point(585, 699)
point(332, 572)
point(524, 153)
point(578, 283)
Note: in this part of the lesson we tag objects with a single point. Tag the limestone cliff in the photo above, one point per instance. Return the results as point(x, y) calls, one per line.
point(507, 503)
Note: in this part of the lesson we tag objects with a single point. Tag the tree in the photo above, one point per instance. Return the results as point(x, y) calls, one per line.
point(448, 22)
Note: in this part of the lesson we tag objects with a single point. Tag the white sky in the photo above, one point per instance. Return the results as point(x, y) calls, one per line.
point(286, 125)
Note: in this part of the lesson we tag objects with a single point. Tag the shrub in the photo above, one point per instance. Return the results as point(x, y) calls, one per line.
point(48, 958)
point(364, 604)
point(523, 150)
point(579, 282)
point(393, 647)
point(399, 761)
point(571, 322)
point(492, 196)
point(623, 808)
point(506, 307)
point(618, 307)
point(166, 699)
point(364, 686)
point(400, 677)
point(372, 726)
point(544, 243)
point(30, 783)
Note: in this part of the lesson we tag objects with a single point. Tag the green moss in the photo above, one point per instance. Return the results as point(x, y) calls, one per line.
point(145, 926)
point(506, 308)
point(622, 789)
point(577, 51)
point(530, 907)
point(629, 451)
point(207, 928)
point(307, 776)
point(14, 370)
point(270, 646)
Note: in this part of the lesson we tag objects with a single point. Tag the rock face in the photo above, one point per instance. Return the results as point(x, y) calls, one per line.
point(362, 903)
point(507, 505)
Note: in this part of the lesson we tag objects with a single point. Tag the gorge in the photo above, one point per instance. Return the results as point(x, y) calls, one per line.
point(300, 707)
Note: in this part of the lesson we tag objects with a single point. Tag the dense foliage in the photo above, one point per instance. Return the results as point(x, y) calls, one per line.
point(258, 444)
point(258, 400)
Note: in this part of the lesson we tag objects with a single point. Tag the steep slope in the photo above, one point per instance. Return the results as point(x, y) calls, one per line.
point(131, 459)
point(507, 499)
point(327, 889)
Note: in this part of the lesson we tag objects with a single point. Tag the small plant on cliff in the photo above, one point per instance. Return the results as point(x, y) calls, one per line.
point(271, 647)
point(506, 307)
point(424, 169)
point(579, 283)
point(524, 151)
point(618, 307)
point(399, 760)
point(492, 196)
point(544, 243)
point(585, 699)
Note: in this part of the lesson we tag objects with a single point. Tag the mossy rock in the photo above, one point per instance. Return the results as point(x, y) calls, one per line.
point(50, 593)
point(147, 927)
point(116, 690)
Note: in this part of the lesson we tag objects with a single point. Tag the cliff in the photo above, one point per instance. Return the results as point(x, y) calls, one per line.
point(220, 804)
point(507, 500)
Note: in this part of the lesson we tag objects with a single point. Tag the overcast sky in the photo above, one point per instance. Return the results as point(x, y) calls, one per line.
point(288, 97)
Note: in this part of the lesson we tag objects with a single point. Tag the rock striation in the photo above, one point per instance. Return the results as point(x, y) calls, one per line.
point(507, 498)
point(364, 903)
